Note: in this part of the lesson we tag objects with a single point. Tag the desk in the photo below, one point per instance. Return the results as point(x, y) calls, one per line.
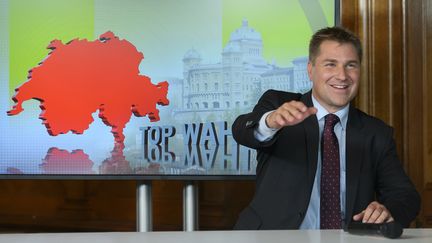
point(283, 236)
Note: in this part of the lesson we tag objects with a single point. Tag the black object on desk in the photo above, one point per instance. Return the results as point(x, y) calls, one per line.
point(390, 230)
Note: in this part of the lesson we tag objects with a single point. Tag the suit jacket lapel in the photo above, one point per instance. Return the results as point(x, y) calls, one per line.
point(311, 128)
point(354, 152)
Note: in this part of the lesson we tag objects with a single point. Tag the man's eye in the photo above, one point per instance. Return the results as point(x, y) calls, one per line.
point(352, 65)
point(329, 65)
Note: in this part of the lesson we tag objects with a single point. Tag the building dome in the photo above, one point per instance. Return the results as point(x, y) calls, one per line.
point(232, 47)
point(245, 32)
point(191, 54)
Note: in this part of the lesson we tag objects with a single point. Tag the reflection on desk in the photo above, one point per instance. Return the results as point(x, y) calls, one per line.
point(149, 160)
point(338, 236)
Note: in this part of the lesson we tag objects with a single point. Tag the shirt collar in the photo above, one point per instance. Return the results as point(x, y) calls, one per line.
point(322, 112)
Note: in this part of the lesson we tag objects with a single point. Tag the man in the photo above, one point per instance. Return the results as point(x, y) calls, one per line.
point(321, 162)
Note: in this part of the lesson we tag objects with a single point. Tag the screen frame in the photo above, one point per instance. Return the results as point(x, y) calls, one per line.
point(337, 22)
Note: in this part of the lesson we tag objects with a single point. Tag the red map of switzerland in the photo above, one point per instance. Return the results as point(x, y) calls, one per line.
point(81, 77)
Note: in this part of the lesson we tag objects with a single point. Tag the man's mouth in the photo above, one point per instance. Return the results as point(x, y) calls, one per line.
point(339, 86)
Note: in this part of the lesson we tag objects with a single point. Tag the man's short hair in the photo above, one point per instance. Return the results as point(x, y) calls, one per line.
point(337, 34)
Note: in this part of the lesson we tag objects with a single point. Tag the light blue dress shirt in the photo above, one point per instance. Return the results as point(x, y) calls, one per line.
point(312, 217)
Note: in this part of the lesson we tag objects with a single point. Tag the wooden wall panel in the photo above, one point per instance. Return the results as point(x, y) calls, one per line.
point(427, 111)
point(62, 206)
point(396, 36)
point(50, 206)
point(417, 90)
point(428, 93)
point(221, 202)
point(413, 128)
point(380, 27)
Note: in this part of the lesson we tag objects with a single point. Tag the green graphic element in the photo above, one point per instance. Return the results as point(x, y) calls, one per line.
point(34, 23)
point(284, 25)
point(164, 30)
point(314, 14)
point(328, 7)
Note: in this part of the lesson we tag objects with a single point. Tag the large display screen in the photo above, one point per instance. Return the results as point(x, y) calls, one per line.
point(144, 87)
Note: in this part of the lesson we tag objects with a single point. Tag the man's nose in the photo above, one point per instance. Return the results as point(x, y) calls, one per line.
point(341, 73)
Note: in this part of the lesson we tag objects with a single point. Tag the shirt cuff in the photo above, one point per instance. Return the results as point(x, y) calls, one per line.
point(264, 133)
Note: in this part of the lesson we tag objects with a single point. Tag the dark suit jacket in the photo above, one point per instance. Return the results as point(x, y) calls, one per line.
point(287, 165)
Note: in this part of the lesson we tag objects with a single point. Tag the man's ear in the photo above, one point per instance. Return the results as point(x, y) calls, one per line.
point(309, 69)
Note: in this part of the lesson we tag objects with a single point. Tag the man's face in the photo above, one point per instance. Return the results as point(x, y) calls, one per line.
point(335, 74)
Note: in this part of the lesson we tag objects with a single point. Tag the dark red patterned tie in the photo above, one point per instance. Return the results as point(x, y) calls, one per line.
point(330, 178)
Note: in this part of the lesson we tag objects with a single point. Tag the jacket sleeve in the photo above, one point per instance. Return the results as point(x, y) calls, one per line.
point(244, 126)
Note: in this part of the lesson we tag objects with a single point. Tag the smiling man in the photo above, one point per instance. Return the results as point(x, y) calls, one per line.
point(322, 163)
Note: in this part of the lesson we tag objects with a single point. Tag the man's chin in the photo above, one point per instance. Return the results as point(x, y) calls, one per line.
point(340, 104)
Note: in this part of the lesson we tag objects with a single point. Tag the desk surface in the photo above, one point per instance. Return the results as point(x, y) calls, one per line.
point(334, 236)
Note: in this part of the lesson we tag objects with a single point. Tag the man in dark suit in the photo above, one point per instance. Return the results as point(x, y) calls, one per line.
point(313, 175)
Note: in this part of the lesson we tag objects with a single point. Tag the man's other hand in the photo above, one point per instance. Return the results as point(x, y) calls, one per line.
point(374, 213)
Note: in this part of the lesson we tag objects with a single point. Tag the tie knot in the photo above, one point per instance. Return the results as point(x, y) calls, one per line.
point(331, 120)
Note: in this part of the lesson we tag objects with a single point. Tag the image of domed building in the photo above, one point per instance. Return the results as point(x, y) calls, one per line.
point(236, 83)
